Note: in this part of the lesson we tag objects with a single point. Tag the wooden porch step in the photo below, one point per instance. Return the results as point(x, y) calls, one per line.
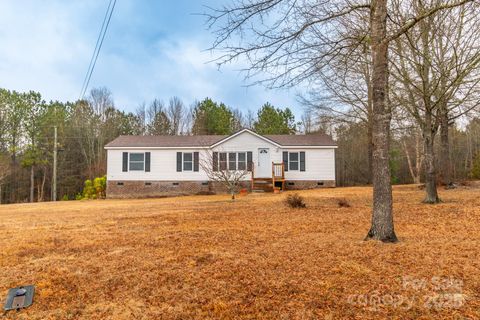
point(262, 182)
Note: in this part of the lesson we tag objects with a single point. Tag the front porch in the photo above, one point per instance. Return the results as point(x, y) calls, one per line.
point(269, 184)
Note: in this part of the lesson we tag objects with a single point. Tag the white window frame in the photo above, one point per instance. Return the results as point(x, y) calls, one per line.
point(234, 161)
point(225, 165)
point(245, 161)
point(296, 161)
point(130, 161)
point(184, 161)
point(222, 164)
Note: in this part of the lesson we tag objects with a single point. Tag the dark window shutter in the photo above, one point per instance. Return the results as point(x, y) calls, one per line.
point(249, 161)
point(195, 161)
point(302, 161)
point(285, 160)
point(179, 162)
point(215, 161)
point(147, 161)
point(125, 162)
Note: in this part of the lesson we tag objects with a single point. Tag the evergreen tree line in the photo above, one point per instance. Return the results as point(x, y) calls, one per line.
point(27, 126)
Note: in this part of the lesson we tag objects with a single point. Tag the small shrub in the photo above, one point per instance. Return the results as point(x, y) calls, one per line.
point(78, 196)
point(100, 186)
point(95, 189)
point(65, 197)
point(295, 201)
point(343, 203)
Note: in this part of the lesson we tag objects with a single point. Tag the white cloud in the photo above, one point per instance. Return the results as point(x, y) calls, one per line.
point(46, 46)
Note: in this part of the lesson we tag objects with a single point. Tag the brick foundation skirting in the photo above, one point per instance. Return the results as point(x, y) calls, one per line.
point(308, 184)
point(151, 189)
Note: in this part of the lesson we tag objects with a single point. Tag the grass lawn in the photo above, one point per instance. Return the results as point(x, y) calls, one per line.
point(204, 257)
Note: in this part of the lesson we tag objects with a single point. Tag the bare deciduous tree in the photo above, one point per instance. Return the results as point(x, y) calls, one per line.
point(176, 113)
point(295, 41)
point(435, 72)
point(218, 172)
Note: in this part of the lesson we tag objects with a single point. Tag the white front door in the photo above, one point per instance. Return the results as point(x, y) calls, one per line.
point(264, 166)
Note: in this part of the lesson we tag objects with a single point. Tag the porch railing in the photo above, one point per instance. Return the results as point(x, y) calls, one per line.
point(278, 174)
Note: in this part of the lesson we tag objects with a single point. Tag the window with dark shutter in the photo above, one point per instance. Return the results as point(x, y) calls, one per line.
point(293, 161)
point(302, 161)
point(179, 162)
point(147, 161)
point(187, 161)
point(196, 163)
point(136, 162)
point(285, 160)
point(125, 162)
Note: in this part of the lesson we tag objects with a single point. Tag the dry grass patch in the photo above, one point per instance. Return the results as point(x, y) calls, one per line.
point(206, 257)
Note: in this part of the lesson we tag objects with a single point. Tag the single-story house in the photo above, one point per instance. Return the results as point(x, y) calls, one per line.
point(150, 166)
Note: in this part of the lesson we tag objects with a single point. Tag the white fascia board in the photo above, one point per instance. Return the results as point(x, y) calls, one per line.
point(154, 148)
point(183, 148)
point(309, 147)
point(249, 131)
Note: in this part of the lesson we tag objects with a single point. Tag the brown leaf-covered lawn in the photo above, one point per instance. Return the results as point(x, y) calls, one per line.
point(204, 257)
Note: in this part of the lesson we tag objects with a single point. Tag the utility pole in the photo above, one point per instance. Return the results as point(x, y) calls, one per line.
point(54, 188)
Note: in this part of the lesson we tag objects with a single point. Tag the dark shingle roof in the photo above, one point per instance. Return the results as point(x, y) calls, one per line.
point(165, 141)
point(208, 140)
point(318, 139)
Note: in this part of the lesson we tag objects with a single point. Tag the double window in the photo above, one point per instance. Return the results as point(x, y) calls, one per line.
point(294, 161)
point(188, 161)
point(136, 162)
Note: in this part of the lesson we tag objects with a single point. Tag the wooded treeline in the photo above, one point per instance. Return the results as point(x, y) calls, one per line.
point(395, 82)
point(27, 139)
point(27, 126)
point(415, 62)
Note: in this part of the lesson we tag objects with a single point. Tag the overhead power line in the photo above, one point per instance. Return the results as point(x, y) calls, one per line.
point(98, 46)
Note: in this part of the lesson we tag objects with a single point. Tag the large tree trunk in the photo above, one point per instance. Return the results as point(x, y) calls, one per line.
point(382, 217)
point(445, 167)
point(430, 171)
point(32, 183)
point(370, 150)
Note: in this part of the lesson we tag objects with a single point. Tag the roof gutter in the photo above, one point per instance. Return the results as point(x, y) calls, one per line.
point(211, 147)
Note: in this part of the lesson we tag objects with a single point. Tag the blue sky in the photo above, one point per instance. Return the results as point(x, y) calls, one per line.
point(153, 49)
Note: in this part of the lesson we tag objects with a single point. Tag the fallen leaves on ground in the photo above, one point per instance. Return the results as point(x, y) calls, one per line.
point(206, 257)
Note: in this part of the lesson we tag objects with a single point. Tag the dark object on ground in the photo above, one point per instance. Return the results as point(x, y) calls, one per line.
point(20, 297)
point(451, 185)
point(343, 203)
point(421, 186)
point(295, 201)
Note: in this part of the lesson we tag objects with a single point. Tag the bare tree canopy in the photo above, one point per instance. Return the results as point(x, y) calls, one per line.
point(288, 42)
